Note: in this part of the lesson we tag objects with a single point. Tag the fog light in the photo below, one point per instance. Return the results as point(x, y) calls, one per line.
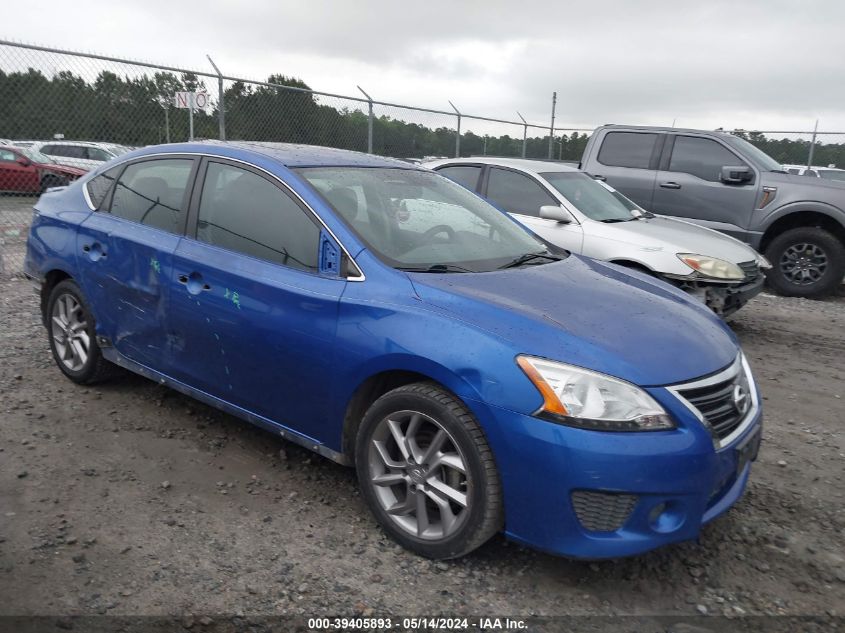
point(666, 517)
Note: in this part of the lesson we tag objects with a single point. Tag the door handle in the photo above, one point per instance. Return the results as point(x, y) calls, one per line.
point(670, 185)
point(94, 251)
point(194, 283)
point(599, 177)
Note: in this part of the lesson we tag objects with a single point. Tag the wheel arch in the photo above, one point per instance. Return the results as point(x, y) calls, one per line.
point(51, 280)
point(630, 263)
point(819, 216)
point(386, 377)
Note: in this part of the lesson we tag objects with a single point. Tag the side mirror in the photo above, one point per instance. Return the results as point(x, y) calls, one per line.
point(736, 175)
point(24, 161)
point(553, 212)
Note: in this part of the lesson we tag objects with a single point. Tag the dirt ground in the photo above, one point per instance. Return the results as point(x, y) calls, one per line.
point(129, 498)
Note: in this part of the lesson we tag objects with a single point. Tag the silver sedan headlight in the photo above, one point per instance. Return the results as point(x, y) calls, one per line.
point(590, 400)
point(712, 267)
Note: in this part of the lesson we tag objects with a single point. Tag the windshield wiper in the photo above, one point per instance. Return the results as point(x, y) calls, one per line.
point(614, 220)
point(529, 257)
point(436, 268)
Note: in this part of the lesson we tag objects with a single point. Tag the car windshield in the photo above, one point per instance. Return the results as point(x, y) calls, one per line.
point(35, 156)
point(421, 221)
point(762, 158)
point(832, 174)
point(594, 199)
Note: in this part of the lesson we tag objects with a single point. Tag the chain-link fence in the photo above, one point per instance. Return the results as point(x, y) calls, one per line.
point(63, 113)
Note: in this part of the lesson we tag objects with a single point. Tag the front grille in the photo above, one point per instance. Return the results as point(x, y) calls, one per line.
point(602, 511)
point(717, 405)
point(751, 270)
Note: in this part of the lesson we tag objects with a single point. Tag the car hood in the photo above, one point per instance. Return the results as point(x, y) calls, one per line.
point(676, 236)
point(591, 314)
point(62, 169)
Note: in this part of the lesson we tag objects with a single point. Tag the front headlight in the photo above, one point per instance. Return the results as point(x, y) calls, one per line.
point(590, 400)
point(712, 267)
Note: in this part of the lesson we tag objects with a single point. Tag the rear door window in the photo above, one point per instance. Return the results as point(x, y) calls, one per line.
point(152, 192)
point(517, 193)
point(701, 157)
point(627, 149)
point(466, 175)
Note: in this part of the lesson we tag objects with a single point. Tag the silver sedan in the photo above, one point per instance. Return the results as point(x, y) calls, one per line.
point(571, 210)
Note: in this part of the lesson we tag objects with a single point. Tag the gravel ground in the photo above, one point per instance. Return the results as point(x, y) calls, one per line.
point(129, 498)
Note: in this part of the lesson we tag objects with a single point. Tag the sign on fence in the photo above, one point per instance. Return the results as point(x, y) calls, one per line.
point(192, 100)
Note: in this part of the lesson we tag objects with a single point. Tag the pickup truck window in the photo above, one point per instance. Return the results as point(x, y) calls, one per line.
point(517, 193)
point(701, 157)
point(627, 149)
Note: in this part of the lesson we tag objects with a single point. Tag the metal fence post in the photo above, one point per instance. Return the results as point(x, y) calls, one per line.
point(812, 145)
point(369, 120)
point(552, 125)
point(524, 133)
point(458, 135)
point(221, 107)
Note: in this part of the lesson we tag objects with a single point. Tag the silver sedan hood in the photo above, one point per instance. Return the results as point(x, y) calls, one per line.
point(676, 236)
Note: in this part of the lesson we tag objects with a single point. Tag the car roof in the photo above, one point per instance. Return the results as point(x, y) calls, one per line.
point(522, 164)
point(658, 128)
point(64, 142)
point(288, 154)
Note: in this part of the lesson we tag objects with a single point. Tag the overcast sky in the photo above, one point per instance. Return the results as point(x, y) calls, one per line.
point(770, 65)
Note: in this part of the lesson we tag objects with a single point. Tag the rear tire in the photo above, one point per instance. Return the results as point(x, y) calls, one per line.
point(51, 181)
point(427, 473)
point(806, 262)
point(71, 333)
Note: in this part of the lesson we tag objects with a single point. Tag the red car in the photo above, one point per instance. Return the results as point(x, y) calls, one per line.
point(23, 170)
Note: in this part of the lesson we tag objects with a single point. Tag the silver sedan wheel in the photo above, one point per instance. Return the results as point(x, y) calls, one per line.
point(69, 330)
point(419, 475)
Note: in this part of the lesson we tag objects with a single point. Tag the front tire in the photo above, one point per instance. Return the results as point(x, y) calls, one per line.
point(806, 262)
point(427, 473)
point(71, 332)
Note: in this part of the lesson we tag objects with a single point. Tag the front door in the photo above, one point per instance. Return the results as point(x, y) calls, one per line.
point(522, 196)
point(689, 186)
point(125, 253)
point(253, 320)
point(14, 175)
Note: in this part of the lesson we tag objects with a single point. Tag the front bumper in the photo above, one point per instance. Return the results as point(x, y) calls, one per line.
point(724, 299)
point(660, 487)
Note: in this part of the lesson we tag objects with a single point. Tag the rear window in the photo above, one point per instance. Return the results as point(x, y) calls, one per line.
point(627, 149)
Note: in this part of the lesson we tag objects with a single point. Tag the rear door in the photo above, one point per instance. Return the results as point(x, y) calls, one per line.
point(522, 196)
point(125, 252)
point(253, 318)
point(689, 185)
point(627, 160)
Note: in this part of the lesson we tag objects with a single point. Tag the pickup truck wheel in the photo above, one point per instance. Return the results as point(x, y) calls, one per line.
point(427, 473)
point(806, 262)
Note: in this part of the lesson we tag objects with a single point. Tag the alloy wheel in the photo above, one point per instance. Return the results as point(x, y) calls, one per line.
point(803, 263)
point(69, 330)
point(419, 475)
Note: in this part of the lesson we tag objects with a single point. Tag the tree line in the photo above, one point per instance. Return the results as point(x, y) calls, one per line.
point(139, 111)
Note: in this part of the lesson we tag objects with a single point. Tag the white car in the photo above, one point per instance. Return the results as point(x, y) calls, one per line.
point(82, 154)
point(828, 173)
point(568, 208)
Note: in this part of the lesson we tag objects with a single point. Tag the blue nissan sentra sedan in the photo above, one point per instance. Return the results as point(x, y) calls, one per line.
point(478, 378)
